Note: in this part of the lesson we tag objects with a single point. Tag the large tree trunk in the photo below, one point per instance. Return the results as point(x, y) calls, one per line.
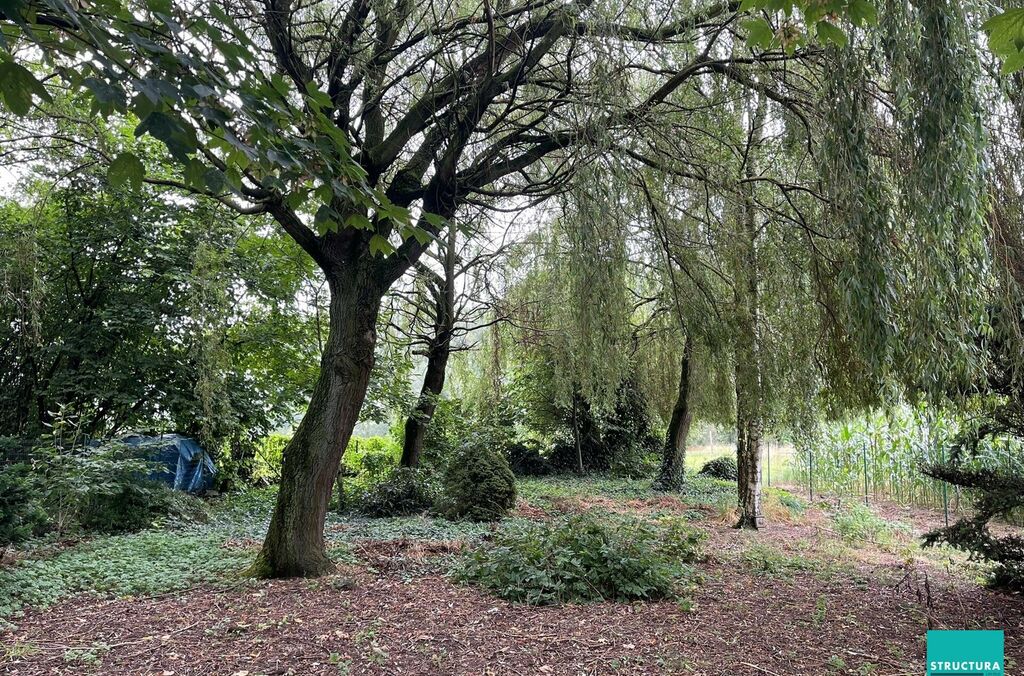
point(294, 545)
point(419, 419)
point(673, 463)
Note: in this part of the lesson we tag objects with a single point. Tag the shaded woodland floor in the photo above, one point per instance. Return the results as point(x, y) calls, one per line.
point(797, 598)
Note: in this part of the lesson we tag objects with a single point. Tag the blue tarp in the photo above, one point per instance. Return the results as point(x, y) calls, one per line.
point(182, 462)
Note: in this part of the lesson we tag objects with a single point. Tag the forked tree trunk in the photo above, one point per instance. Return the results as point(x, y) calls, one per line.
point(419, 420)
point(673, 463)
point(294, 545)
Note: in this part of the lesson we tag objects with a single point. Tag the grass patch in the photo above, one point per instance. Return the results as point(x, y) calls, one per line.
point(765, 559)
point(584, 558)
point(858, 523)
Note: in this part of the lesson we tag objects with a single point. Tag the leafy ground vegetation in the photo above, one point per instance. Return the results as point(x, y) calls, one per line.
point(587, 576)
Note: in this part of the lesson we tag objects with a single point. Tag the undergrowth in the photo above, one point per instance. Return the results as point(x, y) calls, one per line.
point(151, 562)
point(584, 558)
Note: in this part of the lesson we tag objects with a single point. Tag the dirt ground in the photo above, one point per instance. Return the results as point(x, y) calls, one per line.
point(788, 601)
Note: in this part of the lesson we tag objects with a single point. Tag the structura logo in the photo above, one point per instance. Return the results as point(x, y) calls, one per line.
point(965, 653)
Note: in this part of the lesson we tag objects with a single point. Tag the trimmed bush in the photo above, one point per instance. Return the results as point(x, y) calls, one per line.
point(478, 485)
point(407, 491)
point(586, 559)
point(721, 468)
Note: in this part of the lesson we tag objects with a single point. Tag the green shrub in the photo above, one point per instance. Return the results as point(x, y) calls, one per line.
point(525, 459)
point(20, 514)
point(721, 468)
point(370, 460)
point(137, 506)
point(407, 491)
point(478, 485)
point(585, 559)
point(858, 522)
point(104, 488)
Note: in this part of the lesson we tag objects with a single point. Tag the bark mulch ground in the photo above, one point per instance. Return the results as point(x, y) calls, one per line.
point(769, 604)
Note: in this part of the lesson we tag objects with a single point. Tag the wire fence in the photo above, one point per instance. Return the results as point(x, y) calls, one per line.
point(881, 456)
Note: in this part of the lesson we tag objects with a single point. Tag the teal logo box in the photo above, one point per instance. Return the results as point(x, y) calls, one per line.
point(965, 653)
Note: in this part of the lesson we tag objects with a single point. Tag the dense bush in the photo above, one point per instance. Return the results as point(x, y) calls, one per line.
point(407, 491)
point(721, 468)
point(585, 559)
point(20, 514)
point(478, 484)
point(525, 459)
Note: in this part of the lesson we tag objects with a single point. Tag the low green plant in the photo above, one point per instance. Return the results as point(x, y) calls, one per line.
point(407, 491)
point(768, 560)
point(723, 468)
point(140, 564)
point(478, 484)
point(857, 522)
point(584, 558)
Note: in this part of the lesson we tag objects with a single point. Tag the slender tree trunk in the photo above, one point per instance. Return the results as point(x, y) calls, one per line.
point(294, 545)
point(748, 366)
point(437, 359)
point(433, 383)
point(673, 464)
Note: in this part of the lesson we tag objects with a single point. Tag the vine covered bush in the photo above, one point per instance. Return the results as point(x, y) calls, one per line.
point(586, 559)
point(478, 484)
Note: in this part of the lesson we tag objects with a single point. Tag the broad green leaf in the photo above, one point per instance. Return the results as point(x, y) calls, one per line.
point(380, 246)
point(829, 32)
point(126, 169)
point(759, 33)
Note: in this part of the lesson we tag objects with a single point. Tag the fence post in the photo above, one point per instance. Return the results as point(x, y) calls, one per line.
point(864, 453)
point(810, 471)
point(769, 453)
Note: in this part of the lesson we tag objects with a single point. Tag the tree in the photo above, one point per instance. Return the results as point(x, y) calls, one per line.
point(363, 111)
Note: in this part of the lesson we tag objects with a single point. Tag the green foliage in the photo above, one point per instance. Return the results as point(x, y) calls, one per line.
point(268, 456)
point(858, 522)
point(370, 460)
point(995, 493)
point(123, 565)
point(478, 484)
point(406, 491)
point(1006, 38)
point(585, 559)
point(20, 513)
point(723, 468)
point(525, 459)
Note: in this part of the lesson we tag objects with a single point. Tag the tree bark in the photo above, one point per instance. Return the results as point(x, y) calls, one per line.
point(673, 464)
point(294, 545)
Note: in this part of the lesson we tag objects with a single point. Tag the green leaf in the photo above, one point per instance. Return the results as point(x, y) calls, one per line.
point(829, 32)
point(759, 33)
point(358, 221)
point(380, 246)
point(126, 169)
point(863, 12)
point(17, 87)
point(1013, 63)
